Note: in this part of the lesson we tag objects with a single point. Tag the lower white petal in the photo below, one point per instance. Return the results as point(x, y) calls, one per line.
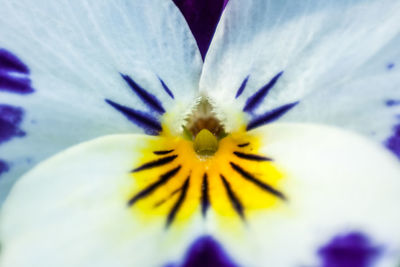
point(335, 182)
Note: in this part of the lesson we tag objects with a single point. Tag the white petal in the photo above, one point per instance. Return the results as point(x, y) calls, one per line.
point(335, 182)
point(75, 51)
point(72, 210)
point(340, 59)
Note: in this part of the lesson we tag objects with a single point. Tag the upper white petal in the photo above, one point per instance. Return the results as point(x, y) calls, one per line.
point(334, 54)
point(76, 51)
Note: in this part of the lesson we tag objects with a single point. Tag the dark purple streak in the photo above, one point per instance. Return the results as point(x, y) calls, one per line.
point(10, 120)
point(393, 143)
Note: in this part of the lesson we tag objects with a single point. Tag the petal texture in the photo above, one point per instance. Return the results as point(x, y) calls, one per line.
point(340, 190)
point(82, 69)
point(72, 210)
point(332, 62)
point(337, 184)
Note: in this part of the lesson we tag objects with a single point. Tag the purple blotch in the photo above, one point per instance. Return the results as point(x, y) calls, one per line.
point(10, 120)
point(202, 17)
point(166, 88)
point(10, 62)
point(206, 252)
point(348, 250)
point(10, 83)
point(3, 167)
point(148, 123)
point(150, 100)
point(270, 116)
point(393, 142)
point(242, 86)
point(13, 74)
point(392, 102)
point(390, 65)
point(256, 99)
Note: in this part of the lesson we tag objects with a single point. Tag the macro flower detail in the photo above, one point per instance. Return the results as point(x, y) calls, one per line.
point(151, 141)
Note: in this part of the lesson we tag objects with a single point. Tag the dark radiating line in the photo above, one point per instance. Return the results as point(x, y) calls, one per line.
point(148, 190)
point(150, 100)
point(145, 121)
point(163, 152)
point(166, 88)
point(256, 99)
point(178, 204)
point(244, 144)
point(10, 62)
point(205, 200)
point(10, 83)
point(155, 163)
point(270, 116)
point(257, 182)
point(242, 86)
point(236, 204)
point(162, 201)
point(251, 156)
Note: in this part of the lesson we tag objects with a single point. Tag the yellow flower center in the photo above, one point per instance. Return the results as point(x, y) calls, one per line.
point(177, 178)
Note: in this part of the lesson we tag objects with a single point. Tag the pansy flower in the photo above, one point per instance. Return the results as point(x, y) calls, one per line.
point(221, 154)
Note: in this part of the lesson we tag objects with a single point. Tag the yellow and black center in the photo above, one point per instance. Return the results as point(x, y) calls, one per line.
point(177, 177)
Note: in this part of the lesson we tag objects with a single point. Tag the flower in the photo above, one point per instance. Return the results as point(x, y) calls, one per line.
point(213, 181)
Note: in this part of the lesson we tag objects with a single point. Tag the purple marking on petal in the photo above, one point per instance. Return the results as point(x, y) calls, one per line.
point(148, 123)
point(166, 88)
point(349, 250)
point(202, 17)
point(3, 167)
point(390, 65)
point(393, 143)
point(270, 116)
point(13, 74)
point(242, 86)
point(10, 120)
point(15, 84)
point(392, 102)
point(150, 100)
point(256, 99)
point(10, 62)
point(206, 252)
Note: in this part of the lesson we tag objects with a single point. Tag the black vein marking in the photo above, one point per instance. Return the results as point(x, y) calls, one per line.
point(150, 100)
point(178, 204)
point(150, 189)
point(270, 116)
point(162, 201)
point(251, 156)
point(205, 199)
point(155, 163)
point(242, 86)
point(236, 204)
point(244, 144)
point(256, 99)
point(144, 120)
point(257, 182)
point(163, 152)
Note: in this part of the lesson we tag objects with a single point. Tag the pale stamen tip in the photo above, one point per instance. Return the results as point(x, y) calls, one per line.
point(205, 143)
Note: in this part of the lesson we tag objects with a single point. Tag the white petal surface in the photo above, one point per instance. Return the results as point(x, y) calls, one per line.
point(340, 59)
point(335, 182)
point(75, 51)
point(72, 210)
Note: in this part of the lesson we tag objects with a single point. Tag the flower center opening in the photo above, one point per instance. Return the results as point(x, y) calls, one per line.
point(204, 129)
